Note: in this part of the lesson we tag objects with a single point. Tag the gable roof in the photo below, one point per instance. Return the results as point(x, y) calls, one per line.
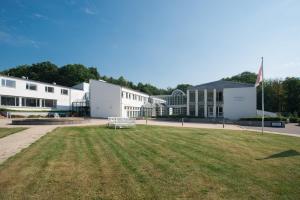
point(221, 84)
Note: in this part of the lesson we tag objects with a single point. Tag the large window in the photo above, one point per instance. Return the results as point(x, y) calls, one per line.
point(49, 89)
point(31, 86)
point(49, 103)
point(8, 83)
point(192, 96)
point(9, 101)
point(30, 102)
point(64, 91)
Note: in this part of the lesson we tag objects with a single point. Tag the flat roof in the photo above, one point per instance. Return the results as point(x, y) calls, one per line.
point(121, 86)
point(221, 84)
point(23, 79)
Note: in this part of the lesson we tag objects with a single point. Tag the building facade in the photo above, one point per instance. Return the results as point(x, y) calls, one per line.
point(221, 99)
point(176, 103)
point(21, 94)
point(107, 100)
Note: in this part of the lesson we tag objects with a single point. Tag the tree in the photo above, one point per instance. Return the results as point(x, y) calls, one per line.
point(73, 74)
point(244, 77)
point(183, 87)
point(291, 87)
point(43, 71)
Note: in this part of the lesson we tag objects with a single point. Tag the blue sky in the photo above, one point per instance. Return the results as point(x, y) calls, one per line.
point(163, 42)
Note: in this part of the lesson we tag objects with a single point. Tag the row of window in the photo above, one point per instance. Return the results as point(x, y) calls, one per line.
point(28, 102)
point(31, 86)
point(132, 108)
point(210, 96)
point(210, 110)
point(136, 97)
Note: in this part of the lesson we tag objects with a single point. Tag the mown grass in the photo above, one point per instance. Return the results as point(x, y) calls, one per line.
point(152, 162)
point(7, 131)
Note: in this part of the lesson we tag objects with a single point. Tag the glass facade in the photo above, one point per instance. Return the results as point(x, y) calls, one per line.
point(9, 101)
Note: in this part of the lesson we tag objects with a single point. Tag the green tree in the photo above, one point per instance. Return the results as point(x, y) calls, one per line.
point(291, 87)
point(73, 74)
point(244, 77)
point(183, 87)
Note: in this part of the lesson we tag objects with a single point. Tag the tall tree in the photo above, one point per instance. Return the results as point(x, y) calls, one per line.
point(73, 74)
point(291, 88)
point(244, 77)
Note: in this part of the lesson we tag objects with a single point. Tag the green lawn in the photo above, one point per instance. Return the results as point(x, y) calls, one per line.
point(152, 162)
point(7, 131)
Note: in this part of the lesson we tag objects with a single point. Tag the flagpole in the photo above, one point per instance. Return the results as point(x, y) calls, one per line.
point(262, 97)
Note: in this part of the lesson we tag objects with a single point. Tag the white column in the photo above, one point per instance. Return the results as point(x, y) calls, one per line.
point(41, 103)
point(215, 104)
point(196, 103)
point(188, 103)
point(20, 101)
point(205, 103)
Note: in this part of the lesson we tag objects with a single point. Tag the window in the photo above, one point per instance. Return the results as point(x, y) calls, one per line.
point(64, 91)
point(8, 83)
point(30, 102)
point(220, 96)
point(31, 86)
point(49, 89)
point(50, 103)
point(9, 101)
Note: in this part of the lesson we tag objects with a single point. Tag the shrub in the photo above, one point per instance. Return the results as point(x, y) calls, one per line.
point(266, 119)
point(294, 119)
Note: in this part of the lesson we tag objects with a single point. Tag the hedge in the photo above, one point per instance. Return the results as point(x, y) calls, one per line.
point(266, 119)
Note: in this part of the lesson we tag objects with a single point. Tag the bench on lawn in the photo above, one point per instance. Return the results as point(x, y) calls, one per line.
point(121, 122)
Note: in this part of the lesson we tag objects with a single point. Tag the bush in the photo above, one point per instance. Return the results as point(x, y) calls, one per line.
point(294, 119)
point(34, 116)
point(266, 119)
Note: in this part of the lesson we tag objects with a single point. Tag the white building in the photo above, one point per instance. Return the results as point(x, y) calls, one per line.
point(220, 99)
point(101, 99)
point(21, 94)
point(108, 100)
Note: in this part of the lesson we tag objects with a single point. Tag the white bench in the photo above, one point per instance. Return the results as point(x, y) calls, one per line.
point(120, 122)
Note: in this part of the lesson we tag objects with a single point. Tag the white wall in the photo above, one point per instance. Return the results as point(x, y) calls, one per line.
point(239, 102)
point(132, 102)
point(64, 102)
point(105, 99)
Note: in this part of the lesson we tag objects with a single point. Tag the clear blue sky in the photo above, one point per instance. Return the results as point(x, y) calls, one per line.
point(163, 42)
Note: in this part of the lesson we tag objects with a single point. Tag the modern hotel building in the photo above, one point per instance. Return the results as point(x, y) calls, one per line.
point(219, 99)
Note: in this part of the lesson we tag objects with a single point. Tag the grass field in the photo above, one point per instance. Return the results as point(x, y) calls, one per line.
point(7, 131)
point(154, 163)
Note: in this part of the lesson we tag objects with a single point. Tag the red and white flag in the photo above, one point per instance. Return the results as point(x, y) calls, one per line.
point(259, 78)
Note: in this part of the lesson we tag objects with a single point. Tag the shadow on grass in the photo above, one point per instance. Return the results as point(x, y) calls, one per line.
point(283, 154)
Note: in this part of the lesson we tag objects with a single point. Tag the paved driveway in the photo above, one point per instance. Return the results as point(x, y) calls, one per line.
point(292, 128)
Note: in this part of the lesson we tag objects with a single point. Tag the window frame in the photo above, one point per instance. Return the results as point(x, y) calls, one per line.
point(30, 86)
point(64, 91)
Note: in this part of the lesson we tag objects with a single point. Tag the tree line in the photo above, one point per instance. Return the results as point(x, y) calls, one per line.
point(72, 74)
point(281, 95)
